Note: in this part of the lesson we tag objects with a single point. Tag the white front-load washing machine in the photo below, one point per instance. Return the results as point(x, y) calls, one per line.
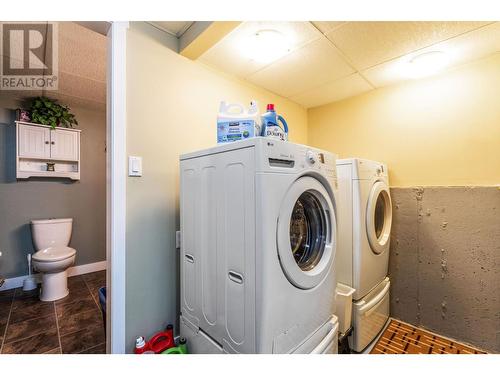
point(365, 219)
point(258, 246)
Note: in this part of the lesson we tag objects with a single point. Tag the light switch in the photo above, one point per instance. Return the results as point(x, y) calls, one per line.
point(135, 166)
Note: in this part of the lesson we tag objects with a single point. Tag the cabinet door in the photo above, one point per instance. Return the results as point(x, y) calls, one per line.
point(64, 144)
point(33, 142)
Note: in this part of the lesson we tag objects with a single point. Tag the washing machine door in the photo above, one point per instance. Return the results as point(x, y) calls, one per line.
point(379, 217)
point(306, 233)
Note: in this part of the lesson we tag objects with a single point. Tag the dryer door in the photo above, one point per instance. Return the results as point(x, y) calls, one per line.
point(379, 217)
point(306, 233)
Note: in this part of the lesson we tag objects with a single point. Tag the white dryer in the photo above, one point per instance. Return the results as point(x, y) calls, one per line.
point(258, 245)
point(365, 218)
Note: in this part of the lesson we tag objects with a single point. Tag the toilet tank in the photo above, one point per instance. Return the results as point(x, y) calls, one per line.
point(51, 232)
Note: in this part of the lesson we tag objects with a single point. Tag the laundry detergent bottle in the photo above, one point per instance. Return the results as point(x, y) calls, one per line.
point(270, 126)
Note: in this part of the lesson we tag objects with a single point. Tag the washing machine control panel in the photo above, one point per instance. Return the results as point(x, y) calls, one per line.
point(323, 161)
point(284, 155)
point(310, 157)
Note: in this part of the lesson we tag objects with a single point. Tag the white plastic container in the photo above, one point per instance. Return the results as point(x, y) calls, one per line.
point(343, 306)
point(235, 123)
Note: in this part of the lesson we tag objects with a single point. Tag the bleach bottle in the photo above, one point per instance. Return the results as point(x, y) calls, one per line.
point(270, 126)
point(235, 123)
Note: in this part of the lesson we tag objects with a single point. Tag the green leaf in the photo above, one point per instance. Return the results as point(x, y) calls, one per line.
point(47, 111)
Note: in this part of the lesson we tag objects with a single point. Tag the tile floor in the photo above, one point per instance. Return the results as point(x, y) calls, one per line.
point(70, 325)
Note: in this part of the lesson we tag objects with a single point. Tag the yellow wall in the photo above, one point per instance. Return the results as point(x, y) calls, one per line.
point(440, 131)
point(172, 105)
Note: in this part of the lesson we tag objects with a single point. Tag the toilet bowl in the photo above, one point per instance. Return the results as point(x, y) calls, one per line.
point(53, 256)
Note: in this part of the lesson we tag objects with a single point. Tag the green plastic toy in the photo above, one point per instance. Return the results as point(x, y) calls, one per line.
point(179, 349)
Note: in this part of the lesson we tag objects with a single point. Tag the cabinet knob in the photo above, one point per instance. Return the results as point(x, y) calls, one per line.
point(46, 142)
point(52, 143)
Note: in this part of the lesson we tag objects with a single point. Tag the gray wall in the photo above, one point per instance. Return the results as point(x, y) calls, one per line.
point(151, 257)
point(445, 261)
point(23, 200)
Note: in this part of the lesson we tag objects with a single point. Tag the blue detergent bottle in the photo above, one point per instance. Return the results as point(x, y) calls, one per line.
point(270, 126)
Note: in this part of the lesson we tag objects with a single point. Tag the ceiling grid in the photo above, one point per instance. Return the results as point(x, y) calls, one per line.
point(331, 61)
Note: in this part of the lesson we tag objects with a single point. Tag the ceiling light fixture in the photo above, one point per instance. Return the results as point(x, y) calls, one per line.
point(426, 64)
point(265, 46)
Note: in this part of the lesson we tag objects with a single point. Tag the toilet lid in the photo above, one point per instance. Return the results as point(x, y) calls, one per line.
point(53, 254)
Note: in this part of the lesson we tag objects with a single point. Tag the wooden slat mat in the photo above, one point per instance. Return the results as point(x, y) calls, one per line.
point(403, 338)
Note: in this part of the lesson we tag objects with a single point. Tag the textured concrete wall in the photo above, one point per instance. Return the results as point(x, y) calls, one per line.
point(445, 261)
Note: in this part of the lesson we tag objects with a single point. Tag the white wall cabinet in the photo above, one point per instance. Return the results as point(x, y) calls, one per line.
point(39, 146)
point(33, 141)
point(64, 144)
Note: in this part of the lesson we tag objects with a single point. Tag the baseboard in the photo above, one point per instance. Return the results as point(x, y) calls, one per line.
point(17, 282)
point(87, 268)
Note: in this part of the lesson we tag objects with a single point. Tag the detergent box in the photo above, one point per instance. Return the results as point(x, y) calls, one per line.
point(229, 131)
point(235, 122)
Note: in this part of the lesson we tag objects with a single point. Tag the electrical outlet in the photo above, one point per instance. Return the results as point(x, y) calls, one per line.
point(178, 239)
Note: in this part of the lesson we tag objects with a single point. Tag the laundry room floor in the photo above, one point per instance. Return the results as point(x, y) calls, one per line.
point(402, 338)
point(70, 325)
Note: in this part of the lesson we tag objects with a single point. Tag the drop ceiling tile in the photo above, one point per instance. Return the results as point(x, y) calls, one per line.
point(81, 87)
point(76, 33)
point(461, 49)
point(388, 73)
point(333, 91)
point(308, 67)
point(327, 26)
point(82, 60)
point(82, 68)
point(82, 52)
point(226, 55)
point(370, 43)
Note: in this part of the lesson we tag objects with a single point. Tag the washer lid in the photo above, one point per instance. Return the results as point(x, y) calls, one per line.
point(53, 254)
point(306, 233)
point(379, 217)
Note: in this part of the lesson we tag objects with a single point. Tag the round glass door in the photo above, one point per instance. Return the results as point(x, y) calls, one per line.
point(379, 217)
point(306, 233)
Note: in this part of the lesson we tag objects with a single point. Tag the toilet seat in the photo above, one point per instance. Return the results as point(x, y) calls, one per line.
point(54, 254)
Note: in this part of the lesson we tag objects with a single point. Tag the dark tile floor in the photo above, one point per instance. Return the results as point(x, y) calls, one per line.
point(70, 325)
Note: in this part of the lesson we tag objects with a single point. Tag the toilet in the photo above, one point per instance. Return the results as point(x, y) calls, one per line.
point(53, 257)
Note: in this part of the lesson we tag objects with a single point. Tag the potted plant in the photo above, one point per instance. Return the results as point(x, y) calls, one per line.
point(47, 111)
